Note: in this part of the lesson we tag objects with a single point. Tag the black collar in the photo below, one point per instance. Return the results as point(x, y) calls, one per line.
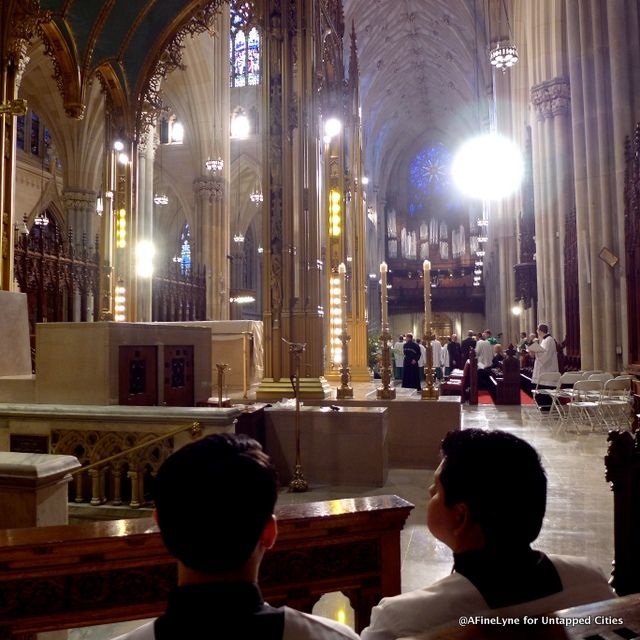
point(506, 577)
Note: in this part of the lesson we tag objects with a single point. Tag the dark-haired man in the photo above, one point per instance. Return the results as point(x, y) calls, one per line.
point(214, 507)
point(487, 502)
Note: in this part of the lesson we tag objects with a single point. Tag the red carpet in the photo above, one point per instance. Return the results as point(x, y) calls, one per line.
point(484, 397)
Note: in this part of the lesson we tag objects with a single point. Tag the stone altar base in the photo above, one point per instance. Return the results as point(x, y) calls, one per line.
point(415, 427)
point(346, 447)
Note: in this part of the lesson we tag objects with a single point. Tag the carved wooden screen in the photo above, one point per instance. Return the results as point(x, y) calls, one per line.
point(571, 292)
point(632, 235)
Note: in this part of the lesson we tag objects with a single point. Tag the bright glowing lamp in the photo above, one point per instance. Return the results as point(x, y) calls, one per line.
point(332, 127)
point(488, 167)
point(144, 258)
point(240, 126)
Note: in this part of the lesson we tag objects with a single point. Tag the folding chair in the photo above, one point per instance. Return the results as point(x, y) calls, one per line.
point(562, 395)
point(586, 374)
point(615, 403)
point(603, 377)
point(585, 405)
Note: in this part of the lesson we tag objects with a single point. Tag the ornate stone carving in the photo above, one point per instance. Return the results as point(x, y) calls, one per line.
point(151, 103)
point(551, 98)
point(79, 200)
point(210, 188)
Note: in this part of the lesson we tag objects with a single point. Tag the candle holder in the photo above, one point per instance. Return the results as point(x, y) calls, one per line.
point(345, 390)
point(431, 391)
point(386, 392)
point(298, 484)
point(222, 402)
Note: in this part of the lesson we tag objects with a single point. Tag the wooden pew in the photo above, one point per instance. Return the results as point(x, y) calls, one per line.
point(506, 389)
point(623, 472)
point(80, 575)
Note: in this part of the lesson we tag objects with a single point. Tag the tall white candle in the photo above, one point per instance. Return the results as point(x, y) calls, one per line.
point(383, 293)
point(426, 267)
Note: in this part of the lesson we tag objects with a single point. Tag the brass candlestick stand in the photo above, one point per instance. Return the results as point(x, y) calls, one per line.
point(222, 402)
point(431, 391)
point(298, 484)
point(344, 390)
point(386, 392)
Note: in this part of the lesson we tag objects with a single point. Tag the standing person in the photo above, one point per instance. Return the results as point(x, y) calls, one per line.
point(436, 350)
point(455, 354)
point(522, 345)
point(423, 359)
point(398, 357)
point(410, 372)
point(487, 503)
point(484, 352)
point(467, 344)
point(214, 507)
point(546, 361)
point(488, 336)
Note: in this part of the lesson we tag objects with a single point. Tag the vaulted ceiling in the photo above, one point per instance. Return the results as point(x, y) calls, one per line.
point(423, 75)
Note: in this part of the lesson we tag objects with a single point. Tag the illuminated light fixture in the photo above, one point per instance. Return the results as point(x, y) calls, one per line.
point(118, 145)
point(161, 199)
point(41, 220)
point(238, 237)
point(144, 258)
point(478, 272)
point(483, 239)
point(242, 299)
point(480, 254)
point(332, 127)
point(503, 56)
point(335, 314)
point(121, 229)
point(476, 284)
point(326, 139)
point(482, 223)
point(488, 167)
point(120, 302)
point(335, 218)
point(108, 194)
point(214, 165)
point(99, 203)
point(479, 263)
point(260, 250)
point(365, 180)
point(123, 158)
point(256, 195)
point(516, 310)
point(373, 276)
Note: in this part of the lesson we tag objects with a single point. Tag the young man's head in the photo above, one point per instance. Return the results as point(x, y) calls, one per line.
point(489, 491)
point(408, 337)
point(214, 501)
point(543, 330)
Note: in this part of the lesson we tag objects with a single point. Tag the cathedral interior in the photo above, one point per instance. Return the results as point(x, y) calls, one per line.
point(293, 166)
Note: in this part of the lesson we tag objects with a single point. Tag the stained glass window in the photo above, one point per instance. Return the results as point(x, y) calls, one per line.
point(185, 250)
point(244, 46)
point(430, 169)
point(35, 134)
point(20, 132)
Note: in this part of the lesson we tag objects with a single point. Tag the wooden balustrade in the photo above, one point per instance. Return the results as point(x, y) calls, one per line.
point(73, 576)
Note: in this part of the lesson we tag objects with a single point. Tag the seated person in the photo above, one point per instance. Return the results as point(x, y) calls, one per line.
point(214, 507)
point(498, 357)
point(487, 502)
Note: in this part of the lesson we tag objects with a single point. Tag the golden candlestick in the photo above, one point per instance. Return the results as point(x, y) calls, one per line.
point(298, 484)
point(222, 402)
point(344, 390)
point(430, 392)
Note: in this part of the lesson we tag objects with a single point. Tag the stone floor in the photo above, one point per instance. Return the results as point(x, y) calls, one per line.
point(579, 518)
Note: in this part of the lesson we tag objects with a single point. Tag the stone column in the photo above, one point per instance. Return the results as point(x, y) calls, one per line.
point(554, 195)
point(594, 154)
point(214, 244)
point(13, 60)
point(80, 210)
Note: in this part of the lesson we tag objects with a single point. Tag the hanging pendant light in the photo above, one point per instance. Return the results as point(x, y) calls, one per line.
point(504, 55)
point(161, 198)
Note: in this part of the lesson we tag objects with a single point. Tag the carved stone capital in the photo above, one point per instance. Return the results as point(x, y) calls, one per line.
point(210, 188)
point(551, 98)
point(79, 200)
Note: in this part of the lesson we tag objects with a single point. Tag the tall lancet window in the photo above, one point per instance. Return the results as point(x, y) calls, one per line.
point(244, 45)
point(185, 250)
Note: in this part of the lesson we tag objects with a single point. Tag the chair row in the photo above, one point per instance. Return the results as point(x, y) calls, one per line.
point(599, 400)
